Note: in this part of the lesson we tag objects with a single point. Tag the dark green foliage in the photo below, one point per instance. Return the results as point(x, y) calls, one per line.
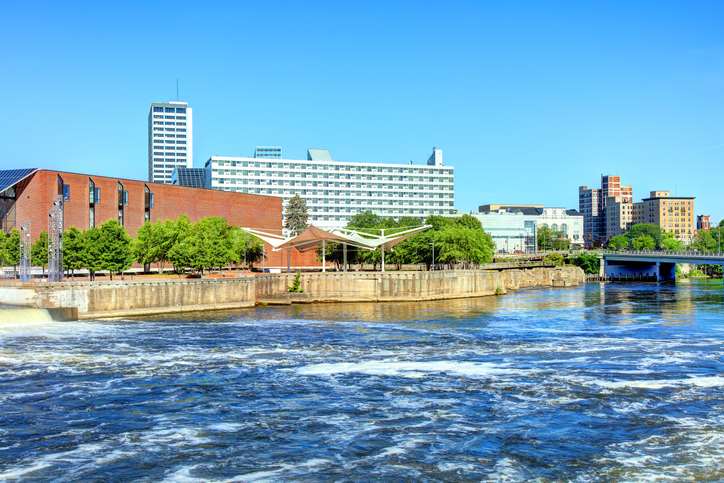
point(114, 247)
point(710, 241)
point(207, 245)
point(296, 286)
point(456, 240)
point(92, 253)
point(245, 248)
point(73, 249)
point(296, 215)
point(618, 243)
point(589, 262)
point(39, 251)
point(555, 259)
point(641, 230)
point(643, 242)
point(549, 239)
point(12, 247)
point(3, 248)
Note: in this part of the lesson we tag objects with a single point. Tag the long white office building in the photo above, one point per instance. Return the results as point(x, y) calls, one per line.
point(170, 139)
point(337, 190)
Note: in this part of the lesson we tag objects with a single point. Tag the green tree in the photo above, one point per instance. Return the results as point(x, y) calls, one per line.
point(39, 251)
point(296, 215)
point(671, 244)
point(643, 242)
point(647, 229)
point(12, 248)
point(245, 248)
point(589, 262)
point(114, 248)
point(73, 249)
point(469, 221)
point(457, 244)
point(3, 249)
point(91, 257)
point(146, 247)
point(618, 243)
point(207, 246)
point(555, 259)
point(549, 239)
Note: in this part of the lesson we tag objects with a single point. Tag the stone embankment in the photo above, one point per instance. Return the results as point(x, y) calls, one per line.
point(86, 300)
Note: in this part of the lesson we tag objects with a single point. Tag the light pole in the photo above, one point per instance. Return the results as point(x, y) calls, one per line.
point(432, 267)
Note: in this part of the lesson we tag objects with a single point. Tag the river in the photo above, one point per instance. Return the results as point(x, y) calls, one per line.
point(599, 382)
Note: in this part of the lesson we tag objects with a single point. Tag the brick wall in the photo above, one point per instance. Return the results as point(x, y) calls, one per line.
point(35, 195)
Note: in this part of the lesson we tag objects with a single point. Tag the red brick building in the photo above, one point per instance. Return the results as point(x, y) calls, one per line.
point(27, 195)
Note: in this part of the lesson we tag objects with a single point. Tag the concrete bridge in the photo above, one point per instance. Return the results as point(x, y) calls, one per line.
point(653, 265)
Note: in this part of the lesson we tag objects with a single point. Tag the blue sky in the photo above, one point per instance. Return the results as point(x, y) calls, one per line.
point(527, 99)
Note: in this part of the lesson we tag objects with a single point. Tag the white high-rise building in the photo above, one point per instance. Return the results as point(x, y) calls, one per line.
point(337, 190)
point(170, 139)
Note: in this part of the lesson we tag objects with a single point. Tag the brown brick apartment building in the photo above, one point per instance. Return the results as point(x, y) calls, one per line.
point(26, 196)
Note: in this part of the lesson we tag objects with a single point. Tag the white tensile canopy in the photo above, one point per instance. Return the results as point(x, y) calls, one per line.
point(314, 237)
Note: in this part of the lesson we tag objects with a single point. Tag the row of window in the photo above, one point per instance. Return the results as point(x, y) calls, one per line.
point(158, 116)
point(169, 123)
point(344, 193)
point(312, 166)
point(169, 109)
point(230, 176)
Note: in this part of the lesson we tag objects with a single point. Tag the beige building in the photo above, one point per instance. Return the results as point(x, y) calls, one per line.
point(674, 214)
point(619, 215)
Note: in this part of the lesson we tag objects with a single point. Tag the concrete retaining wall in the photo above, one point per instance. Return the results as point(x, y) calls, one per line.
point(116, 299)
point(410, 286)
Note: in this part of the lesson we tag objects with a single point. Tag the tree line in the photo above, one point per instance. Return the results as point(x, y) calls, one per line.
point(207, 244)
point(452, 240)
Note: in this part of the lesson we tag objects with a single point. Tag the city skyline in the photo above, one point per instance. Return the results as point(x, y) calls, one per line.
point(560, 98)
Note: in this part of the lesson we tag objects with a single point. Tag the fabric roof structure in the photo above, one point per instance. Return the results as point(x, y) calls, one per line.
point(313, 237)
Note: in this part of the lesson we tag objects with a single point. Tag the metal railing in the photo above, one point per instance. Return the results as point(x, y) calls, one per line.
point(667, 253)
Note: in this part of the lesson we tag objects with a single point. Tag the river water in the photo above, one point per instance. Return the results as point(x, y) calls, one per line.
point(602, 382)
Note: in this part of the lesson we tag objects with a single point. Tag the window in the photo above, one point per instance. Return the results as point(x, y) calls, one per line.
point(92, 198)
point(147, 203)
point(122, 201)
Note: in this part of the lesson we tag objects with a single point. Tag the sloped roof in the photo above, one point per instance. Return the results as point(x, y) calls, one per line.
point(11, 177)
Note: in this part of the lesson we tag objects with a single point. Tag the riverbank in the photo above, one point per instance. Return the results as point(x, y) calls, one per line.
point(86, 300)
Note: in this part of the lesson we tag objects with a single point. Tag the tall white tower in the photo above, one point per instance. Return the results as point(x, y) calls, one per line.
point(170, 139)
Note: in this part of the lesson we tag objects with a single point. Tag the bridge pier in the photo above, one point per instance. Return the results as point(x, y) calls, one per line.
point(665, 272)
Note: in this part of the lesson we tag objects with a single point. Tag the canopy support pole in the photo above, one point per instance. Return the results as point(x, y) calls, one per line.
point(344, 256)
point(382, 247)
point(324, 255)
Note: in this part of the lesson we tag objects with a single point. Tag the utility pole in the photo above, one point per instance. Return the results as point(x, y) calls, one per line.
point(432, 267)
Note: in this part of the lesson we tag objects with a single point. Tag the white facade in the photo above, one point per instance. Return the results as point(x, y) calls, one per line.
point(170, 139)
point(511, 232)
point(514, 230)
point(337, 190)
point(561, 219)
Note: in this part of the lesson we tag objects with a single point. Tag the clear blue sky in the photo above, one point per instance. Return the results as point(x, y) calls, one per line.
point(527, 99)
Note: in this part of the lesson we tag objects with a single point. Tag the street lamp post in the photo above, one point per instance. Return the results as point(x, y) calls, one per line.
point(432, 267)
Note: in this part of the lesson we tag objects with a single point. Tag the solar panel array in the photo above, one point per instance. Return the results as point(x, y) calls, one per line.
point(10, 177)
point(190, 177)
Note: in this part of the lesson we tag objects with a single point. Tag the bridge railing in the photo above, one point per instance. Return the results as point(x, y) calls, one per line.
point(669, 253)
